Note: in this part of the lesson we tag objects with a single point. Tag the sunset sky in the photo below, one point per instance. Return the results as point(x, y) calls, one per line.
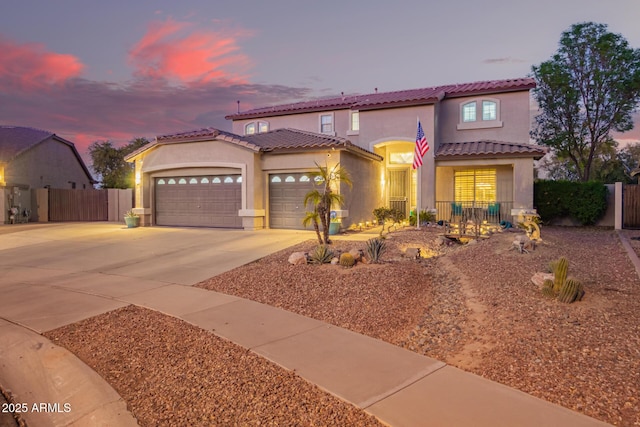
point(89, 70)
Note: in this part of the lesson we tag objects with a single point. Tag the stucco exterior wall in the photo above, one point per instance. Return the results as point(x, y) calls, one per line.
point(50, 163)
point(513, 112)
point(304, 121)
point(200, 158)
point(514, 179)
point(364, 195)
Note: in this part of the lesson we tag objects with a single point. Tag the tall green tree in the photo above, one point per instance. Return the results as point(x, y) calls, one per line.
point(589, 88)
point(108, 162)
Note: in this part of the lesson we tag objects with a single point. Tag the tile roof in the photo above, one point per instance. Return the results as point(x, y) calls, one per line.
point(14, 140)
point(273, 141)
point(401, 98)
point(485, 148)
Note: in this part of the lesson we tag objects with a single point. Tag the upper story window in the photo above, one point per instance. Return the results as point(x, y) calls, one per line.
point(354, 122)
point(488, 115)
point(469, 112)
point(256, 127)
point(489, 110)
point(326, 123)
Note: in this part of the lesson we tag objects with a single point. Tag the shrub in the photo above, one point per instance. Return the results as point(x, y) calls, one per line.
point(585, 202)
point(375, 249)
point(321, 255)
point(425, 216)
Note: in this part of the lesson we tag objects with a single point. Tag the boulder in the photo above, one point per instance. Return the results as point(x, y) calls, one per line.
point(539, 278)
point(335, 260)
point(298, 258)
point(357, 254)
point(412, 253)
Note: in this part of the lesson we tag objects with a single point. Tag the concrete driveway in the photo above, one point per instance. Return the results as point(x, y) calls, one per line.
point(55, 274)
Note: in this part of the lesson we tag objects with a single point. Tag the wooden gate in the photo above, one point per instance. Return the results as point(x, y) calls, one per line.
point(630, 206)
point(78, 205)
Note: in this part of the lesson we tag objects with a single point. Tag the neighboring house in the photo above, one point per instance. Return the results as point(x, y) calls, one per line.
point(256, 176)
point(33, 158)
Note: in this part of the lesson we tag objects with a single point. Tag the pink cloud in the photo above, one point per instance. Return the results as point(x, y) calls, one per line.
point(175, 50)
point(30, 66)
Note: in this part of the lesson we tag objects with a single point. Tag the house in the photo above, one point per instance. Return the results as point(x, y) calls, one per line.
point(480, 158)
point(31, 159)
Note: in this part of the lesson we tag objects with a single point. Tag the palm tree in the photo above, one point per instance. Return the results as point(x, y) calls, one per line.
point(324, 198)
point(312, 218)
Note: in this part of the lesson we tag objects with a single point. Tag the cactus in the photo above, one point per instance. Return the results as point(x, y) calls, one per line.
point(567, 290)
point(375, 248)
point(547, 289)
point(560, 270)
point(321, 255)
point(347, 260)
point(571, 291)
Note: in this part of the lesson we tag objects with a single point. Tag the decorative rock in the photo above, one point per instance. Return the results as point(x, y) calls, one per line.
point(335, 261)
point(539, 278)
point(298, 258)
point(357, 254)
point(412, 253)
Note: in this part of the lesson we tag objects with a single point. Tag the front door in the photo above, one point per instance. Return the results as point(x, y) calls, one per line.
point(399, 190)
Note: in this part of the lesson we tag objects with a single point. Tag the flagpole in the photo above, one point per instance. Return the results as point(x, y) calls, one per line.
point(418, 186)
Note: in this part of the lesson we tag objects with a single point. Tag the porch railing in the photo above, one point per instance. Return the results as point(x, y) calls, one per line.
point(491, 212)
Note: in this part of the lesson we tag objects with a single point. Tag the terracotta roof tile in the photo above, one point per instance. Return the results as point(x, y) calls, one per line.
point(390, 99)
point(486, 148)
point(273, 141)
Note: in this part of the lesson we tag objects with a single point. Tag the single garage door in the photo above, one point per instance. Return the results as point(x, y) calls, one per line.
point(199, 201)
point(286, 197)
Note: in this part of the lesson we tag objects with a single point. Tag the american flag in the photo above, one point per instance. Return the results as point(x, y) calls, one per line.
point(422, 146)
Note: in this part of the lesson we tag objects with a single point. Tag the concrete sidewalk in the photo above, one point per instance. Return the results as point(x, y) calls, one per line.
point(400, 387)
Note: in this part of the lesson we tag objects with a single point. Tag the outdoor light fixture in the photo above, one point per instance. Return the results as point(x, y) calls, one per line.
point(137, 178)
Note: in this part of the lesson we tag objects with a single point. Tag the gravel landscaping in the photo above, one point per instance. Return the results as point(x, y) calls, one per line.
point(472, 306)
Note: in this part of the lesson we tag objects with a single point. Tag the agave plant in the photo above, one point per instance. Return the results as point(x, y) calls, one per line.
point(321, 255)
point(375, 249)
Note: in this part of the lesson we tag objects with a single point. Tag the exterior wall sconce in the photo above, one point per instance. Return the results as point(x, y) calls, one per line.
point(138, 178)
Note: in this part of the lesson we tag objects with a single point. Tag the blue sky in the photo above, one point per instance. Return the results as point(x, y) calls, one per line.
point(90, 70)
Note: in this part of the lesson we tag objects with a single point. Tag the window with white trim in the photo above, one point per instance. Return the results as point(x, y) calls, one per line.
point(469, 112)
point(256, 127)
point(489, 110)
point(354, 121)
point(480, 113)
point(326, 123)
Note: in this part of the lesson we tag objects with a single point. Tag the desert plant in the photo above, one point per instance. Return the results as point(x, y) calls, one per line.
point(571, 291)
point(321, 255)
point(131, 214)
point(347, 260)
point(567, 290)
point(323, 198)
point(381, 214)
point(375, 249)
point(425, 216)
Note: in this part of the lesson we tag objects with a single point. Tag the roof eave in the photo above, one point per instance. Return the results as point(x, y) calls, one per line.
point(259, 115)
point(522, 88)
point(400, 104)
point(484, 156)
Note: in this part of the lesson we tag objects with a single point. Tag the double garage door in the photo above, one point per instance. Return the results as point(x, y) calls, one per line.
point(286, 199)
point(199, 201)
